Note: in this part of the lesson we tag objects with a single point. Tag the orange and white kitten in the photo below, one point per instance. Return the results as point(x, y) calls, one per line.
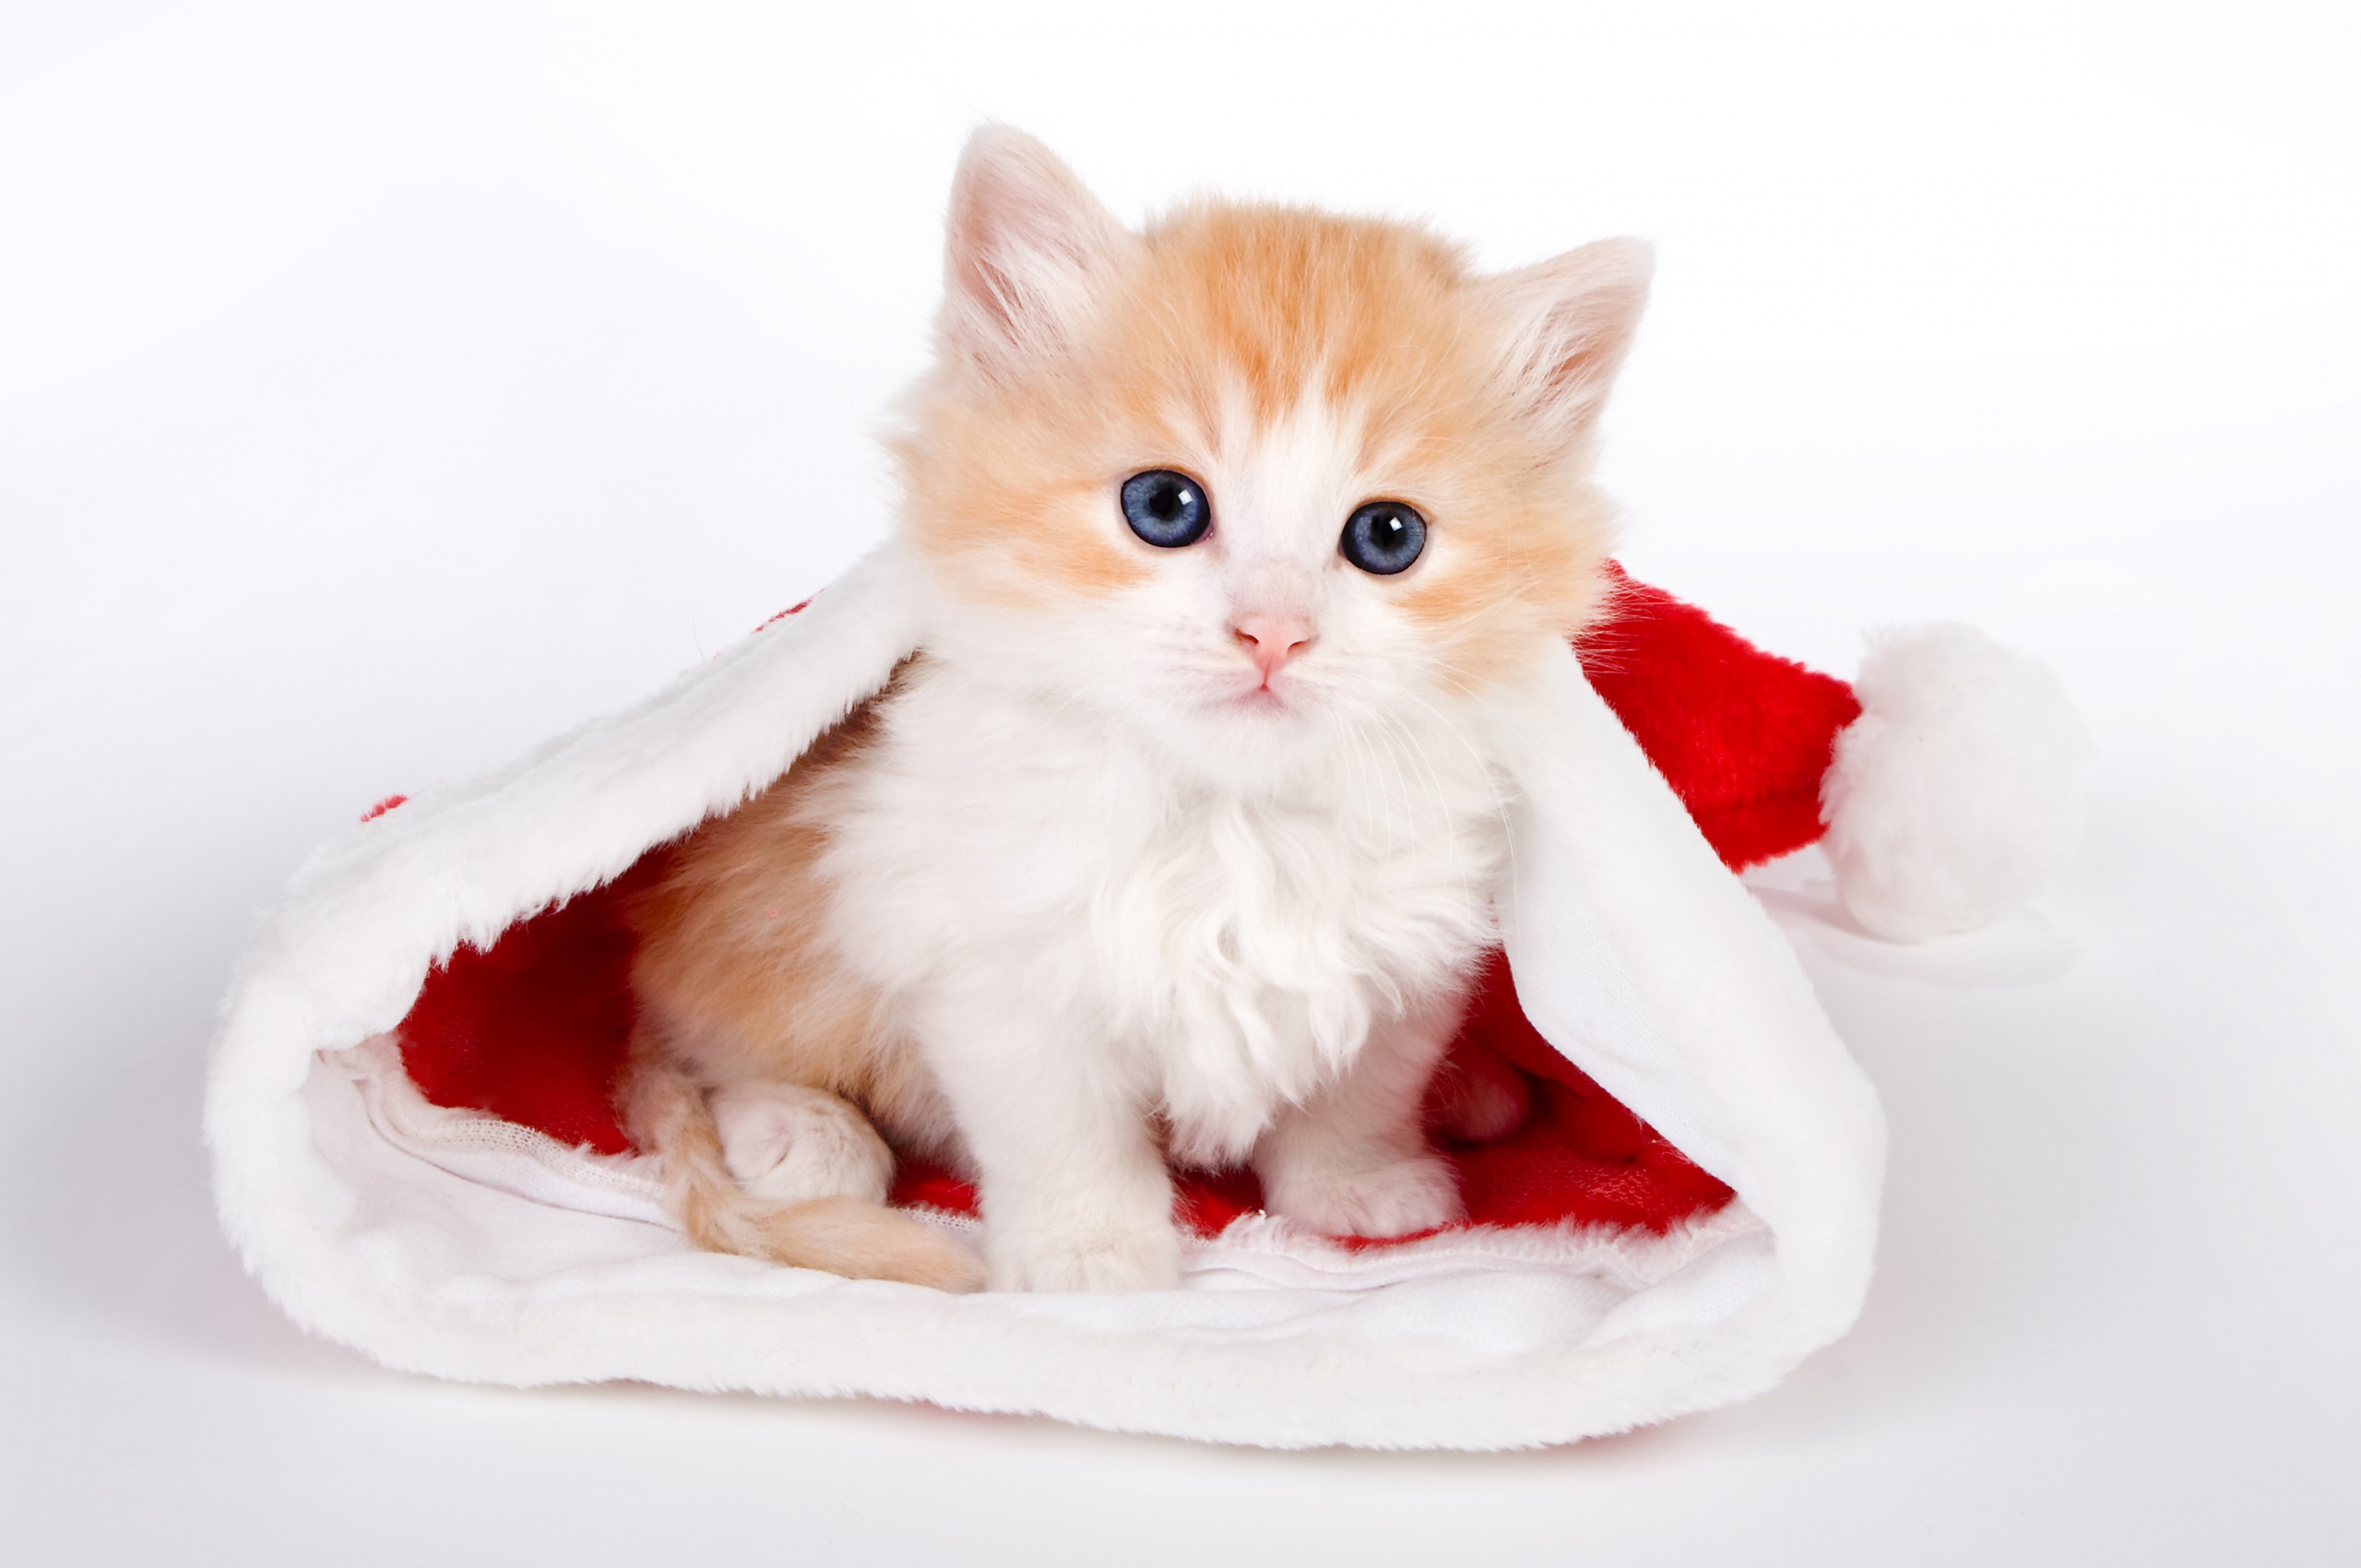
point(1179, 837)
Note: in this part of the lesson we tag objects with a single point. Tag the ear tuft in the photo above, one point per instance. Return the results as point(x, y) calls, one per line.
point(1025, 241)
point(1570, 322)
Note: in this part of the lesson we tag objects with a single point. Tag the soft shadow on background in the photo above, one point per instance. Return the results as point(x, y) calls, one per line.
point(383, 390)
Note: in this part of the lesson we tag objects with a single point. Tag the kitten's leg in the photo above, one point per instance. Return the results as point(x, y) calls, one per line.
point(1354, 1161)
point(1071, 1181)
point(788, 1144)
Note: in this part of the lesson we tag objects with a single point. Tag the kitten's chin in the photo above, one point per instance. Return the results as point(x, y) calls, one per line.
point(1245, 738)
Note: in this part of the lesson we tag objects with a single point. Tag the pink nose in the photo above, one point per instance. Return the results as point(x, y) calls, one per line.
point(1271, 640)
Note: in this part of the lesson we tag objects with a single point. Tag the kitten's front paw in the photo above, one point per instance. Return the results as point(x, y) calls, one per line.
point(1397, 1198)
point(1086, 1259)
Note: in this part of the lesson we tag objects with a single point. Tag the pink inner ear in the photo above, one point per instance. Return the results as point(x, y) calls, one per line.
point(535, 1029)
point(1582, 308)
point(1022, 229)
point(1578, 374)
point(986, 288)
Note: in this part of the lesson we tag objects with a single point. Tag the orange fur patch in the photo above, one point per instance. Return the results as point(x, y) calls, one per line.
point(1015, 486)
point(734, 971)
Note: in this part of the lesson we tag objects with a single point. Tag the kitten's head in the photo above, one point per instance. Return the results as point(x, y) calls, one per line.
point(1257, 474)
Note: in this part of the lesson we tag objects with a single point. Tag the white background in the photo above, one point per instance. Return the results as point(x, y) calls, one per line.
point(383, 390)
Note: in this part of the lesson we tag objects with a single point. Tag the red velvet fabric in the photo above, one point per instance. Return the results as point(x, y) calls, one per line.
point(1743, 736)
point(535, 1027)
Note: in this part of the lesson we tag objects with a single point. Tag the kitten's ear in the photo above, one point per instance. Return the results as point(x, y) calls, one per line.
point(1571, 320)
point(1026, 243)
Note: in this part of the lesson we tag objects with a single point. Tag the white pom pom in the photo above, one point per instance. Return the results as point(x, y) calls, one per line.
point(1953, 796)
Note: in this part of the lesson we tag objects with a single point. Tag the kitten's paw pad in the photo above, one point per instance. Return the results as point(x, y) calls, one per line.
point(789, 1145)
point(1086, 1260)
point(1399, 1198)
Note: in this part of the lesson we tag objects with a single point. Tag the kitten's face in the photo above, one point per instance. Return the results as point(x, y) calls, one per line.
point(1260, 477)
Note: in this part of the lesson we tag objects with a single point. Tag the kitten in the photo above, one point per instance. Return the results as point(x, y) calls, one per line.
point(1178, 838)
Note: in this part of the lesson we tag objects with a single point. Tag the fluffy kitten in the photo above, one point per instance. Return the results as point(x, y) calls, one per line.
point(1178, 839)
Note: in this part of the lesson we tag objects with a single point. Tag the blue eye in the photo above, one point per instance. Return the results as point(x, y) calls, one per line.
point(1167, 509)
point(1384, 537)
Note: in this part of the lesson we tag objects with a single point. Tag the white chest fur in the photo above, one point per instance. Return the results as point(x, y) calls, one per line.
point(1032, 879)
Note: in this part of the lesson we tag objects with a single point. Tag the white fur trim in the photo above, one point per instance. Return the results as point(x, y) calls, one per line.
point(1955, 795)
point(438, 1244)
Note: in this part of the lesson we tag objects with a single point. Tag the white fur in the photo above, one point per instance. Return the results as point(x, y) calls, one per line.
point(1108, 876)
point(1955, 795)
point(1084, 932)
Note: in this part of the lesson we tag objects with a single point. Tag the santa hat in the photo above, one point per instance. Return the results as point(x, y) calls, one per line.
point(1671, 1164)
